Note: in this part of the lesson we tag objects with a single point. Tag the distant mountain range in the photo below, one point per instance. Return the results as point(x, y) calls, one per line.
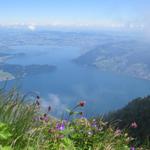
point(118, 52)
point(129, 57)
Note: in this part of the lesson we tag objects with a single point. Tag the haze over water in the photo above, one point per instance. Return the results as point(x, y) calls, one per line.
point(103, 91)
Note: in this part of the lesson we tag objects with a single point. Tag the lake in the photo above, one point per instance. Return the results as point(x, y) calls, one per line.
point(103, 91)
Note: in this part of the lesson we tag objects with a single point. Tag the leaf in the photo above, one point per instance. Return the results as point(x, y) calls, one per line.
point(30, 148)
point(75, 112)
point(2, 126)
point(6, 148)
point(4, 133)
point(68, 144)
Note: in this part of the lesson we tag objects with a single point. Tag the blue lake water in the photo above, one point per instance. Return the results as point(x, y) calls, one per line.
point(70, 83)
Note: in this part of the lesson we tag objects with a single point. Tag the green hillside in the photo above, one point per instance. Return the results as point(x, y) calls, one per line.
point(138, 112)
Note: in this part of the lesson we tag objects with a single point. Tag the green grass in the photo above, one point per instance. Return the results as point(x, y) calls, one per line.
point(24, 127)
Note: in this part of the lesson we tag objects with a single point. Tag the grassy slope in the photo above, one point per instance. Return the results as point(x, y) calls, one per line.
point(23, 126)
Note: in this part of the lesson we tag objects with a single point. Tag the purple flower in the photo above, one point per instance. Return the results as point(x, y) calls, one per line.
point(60, 126)
point(94, 124)
point(132, 148)
point(46, 119)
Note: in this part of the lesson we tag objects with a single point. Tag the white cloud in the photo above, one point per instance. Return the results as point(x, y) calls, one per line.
point(56, 104)
point(31, 27)
point(103, 24)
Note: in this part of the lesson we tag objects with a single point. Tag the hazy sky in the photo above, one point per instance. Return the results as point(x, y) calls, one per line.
point(114, 13)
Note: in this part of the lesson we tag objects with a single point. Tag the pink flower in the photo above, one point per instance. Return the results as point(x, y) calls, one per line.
point(82, 103)
point(44, 118)
point(118, 132)
point(134, 125)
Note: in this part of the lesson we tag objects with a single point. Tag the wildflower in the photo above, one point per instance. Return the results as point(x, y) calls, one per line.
point(118, 132)
point(49, 108)
point(132, 148)
point(89, 133)
point(82, 103)
point(38, 97)
point(94, 120)
point(94, 124)
point(37, 103)
point(45, 115)
point(134, 125)
point(60, 126)
point(41, 118)
point(44, 118)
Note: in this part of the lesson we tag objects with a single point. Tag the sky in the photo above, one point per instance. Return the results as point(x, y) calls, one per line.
point(99, 13)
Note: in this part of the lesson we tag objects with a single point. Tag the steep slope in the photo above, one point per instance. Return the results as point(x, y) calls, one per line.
point(137, 111)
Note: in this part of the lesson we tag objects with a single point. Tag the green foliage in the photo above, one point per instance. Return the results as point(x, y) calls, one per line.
point(17, 115)
point(4, 137)
point(4, 133)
